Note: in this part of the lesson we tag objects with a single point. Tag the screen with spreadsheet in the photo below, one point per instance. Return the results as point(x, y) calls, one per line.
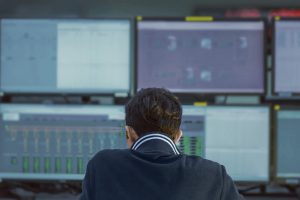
point(65, 56)
point(238, 138)
point(286, 56)
point(204, 57)
point(234, 136)
point(287, 143)
point(56, 142)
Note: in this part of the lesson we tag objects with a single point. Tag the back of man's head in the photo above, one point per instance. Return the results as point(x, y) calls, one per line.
point(154, 110)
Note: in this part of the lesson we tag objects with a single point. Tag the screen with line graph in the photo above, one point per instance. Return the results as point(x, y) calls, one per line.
point(68, 56)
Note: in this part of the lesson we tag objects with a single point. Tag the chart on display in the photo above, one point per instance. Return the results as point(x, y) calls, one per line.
point(192, 141)
point(56, 142)
point(201, 57)
point(65, 56)
point(286, 57)
point(288, 139)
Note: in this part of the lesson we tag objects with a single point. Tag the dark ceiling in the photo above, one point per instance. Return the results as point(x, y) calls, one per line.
point(128, 8)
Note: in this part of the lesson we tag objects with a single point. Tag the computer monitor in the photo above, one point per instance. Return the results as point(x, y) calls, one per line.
point(192, 141)
point(286, 57)
point(238, 138)
point(201, 57)
point(55, 142)
point(287, 144)
point(234, 136)
point(65, 56)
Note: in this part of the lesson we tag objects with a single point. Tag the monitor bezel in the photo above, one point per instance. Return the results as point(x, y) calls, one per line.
point(183, 19)
point(77, 92)
point(276, 178)
point(273, 52)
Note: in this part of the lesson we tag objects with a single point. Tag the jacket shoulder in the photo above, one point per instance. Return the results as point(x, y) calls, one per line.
point(110, 154)
point(196, 161)
point(203, 167)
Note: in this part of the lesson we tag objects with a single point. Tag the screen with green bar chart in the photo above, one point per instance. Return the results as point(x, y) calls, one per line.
point(193, 140)
point(56, 141)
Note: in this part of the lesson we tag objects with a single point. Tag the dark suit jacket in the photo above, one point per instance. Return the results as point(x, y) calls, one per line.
point(154, 169)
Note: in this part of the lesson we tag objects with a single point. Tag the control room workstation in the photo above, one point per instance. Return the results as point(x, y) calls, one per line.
point(202, 60)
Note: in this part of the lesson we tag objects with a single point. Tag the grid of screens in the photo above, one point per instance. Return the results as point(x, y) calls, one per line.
point(234, 136)
point(56, 142)
point(65, 56)
point(286, 56)
point(93, 56)
point(287, 145)
point(206, 57)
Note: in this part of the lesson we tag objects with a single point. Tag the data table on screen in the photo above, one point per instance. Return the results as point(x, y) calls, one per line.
point(234, 136)
point(65, 56)
point(56, 142)
point(286, 57)
point(192, 141)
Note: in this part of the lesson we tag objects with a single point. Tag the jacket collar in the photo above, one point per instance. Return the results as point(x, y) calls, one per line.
point(155, 142)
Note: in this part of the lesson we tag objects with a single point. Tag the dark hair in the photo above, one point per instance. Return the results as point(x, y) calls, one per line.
point(154, 110)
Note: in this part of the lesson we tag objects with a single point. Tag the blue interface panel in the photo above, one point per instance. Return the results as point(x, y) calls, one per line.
point(287, 146)
point(56, 142)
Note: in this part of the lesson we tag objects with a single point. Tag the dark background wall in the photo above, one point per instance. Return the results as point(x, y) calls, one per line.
point(128, 8)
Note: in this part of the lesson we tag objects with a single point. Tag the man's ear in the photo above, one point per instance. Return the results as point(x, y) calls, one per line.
point(178, 136)
point(131, 136)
